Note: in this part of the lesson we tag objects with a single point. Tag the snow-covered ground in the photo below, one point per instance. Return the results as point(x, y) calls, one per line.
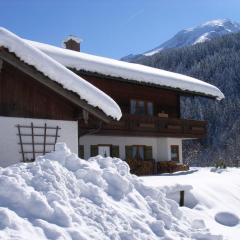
point(213, 196)
point(62, 197)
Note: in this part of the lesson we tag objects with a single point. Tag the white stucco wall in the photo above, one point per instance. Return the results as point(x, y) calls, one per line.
point(161, 147)
point(89, 140)
point(9, 147)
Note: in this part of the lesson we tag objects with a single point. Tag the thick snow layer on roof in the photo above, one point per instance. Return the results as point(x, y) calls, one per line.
point(129, 71)
point(60, 196)
point(58, 73)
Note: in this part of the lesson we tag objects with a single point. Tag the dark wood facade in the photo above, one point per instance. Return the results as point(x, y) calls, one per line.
point(163, 100)
point(22, 96)
point(27, 92)
point(123, 92)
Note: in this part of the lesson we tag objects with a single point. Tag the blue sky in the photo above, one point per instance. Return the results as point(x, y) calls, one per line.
point(111, 28)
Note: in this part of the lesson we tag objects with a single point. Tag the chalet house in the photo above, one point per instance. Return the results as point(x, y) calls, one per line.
point(41, 102)
point(150, 132)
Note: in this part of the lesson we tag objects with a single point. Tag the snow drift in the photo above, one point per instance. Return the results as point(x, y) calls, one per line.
point(211, 194)
point(60, 196)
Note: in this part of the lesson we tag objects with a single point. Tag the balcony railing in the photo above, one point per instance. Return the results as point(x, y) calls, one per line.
point(133, 125)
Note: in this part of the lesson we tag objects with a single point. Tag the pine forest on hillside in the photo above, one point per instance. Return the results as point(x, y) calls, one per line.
point(217, 62)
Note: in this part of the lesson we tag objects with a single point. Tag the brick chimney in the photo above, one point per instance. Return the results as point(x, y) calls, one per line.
point(72, 43)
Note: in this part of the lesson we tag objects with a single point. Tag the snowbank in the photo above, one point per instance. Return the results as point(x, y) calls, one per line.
point(62, 197)
point(58, 73)
point(212, 195)
point(129, 71)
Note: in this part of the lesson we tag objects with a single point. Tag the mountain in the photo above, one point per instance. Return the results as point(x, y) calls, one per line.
point(218, 63)
point(191, 36)
point(202, 33)
point(130, 57)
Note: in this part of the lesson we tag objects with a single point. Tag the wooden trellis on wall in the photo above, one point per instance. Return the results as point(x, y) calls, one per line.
point(36, 140)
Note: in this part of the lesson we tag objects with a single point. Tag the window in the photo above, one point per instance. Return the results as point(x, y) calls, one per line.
point(133, 107)
point(104, 150)
point(150, 108)
point(139, 152)
point(140, 107)
point(175, 153)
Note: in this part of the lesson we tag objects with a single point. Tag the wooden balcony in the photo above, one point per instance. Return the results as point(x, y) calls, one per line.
point(132, 125)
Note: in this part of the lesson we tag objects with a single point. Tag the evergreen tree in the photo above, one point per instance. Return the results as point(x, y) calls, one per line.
point(216, 62)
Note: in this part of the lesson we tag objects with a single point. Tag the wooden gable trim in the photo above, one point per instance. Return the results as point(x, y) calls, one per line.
point(54, 86)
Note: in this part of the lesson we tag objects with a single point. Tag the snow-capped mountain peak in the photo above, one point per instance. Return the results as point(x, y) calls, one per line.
point(202, 33)
point(218, 22)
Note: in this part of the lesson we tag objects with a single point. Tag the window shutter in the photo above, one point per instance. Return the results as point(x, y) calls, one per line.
point(94, 150)
point(115, 151)
point(148, 152)
point(81, 151)
point(128, 152)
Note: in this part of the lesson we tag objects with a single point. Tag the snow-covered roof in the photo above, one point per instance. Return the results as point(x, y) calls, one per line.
point(129, 71)
point(59, 73)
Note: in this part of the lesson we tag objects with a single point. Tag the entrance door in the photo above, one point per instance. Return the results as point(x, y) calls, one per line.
point(104, 151)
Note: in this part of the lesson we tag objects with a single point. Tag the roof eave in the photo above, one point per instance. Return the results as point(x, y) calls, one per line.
point(132, 81)
point(12, 59)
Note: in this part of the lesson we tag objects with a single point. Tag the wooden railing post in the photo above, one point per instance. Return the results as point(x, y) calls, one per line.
point(181, 201)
